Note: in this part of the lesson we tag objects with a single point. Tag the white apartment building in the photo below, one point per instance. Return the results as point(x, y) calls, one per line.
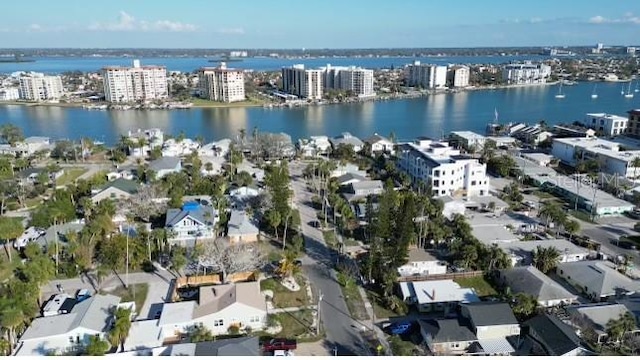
point(526, 73)
point(355, 79)
point(305, 83)
point(221, 84)
point(40, 87)
point(9, 94)
point(426, 75)
point(606, 124)
point(459, 76)
point(137, 83)
point(447, 171)
point(609, 155)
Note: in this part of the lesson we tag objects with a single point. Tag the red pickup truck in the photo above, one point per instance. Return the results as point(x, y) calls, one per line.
point(279, 344)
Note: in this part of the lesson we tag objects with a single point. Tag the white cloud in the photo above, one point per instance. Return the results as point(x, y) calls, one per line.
point(231, 31)
point(35, 27)
point(627, 18)
point(127, 22)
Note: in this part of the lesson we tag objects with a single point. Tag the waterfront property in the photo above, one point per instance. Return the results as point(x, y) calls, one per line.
point(346, 139)
point(379, 144)
point(305, 83)
point(606, 124)
point(357, 80)
point(426, 76)
point(221, 84)
point(143, 141)
point(27, 147)
point(314, 146)
point(526, 73)
point(137, 83)
point(443, 168)
point(40, 87)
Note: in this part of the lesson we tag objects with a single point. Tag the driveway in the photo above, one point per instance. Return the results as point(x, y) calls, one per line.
point(342, 331)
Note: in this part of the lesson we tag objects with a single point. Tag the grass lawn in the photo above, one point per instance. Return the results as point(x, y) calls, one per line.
point(330, 238)
point(33, 202)
point(70, 174)
point(354, 301)
point(481, 286)
point(136, 293)
point(295, 324)
point(378, 307)
point(543, 194)
point(282, 297)
point(351, 242)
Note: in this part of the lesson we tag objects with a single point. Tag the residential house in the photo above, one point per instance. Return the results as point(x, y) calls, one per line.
point(243, 194)
point(362, 189)
point(122, 173)
point(314, 146)
point(144, 335)
point(31, 175)
point(598, 280)
point(349, 178)
point(242, 228)
point(256, 173)
point(165, 166)
point(26, 147)
point(218, 148)
point(452, 206)
point(149, 139)
point(551, 337)
point(521, 252)
point(175, 148)
point(447, 337)
point(58, 233)
point(421, 262)
point(436, 295)
point(493, 322)
point(347, 139)
point(531, 281)
point(118, 189)
point(195, 220)
point(347, 168)
point(58, 334)
point(30, 234)
point(218, 307)
point(482, 328)
point(379, 144)
point(533, 135)
point(241, 346)
point(595, 317)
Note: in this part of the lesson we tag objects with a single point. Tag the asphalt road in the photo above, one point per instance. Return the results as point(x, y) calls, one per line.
point(341, 330)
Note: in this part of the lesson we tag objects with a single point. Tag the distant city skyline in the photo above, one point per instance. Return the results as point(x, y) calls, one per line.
point(327, 24)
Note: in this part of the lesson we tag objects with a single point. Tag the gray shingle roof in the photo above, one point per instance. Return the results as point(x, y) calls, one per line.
point(164, 163)
point(92, 314)
point(346, 139)
point(529, 280)
point(241, 346)
point(599, 277)
point(448, 330)
point(241, 224)
point(490, 313)
point(367, 184)
point(350, 176)
point(203, 214)
point(125, 185)
point(375, 138)
point(558, 338)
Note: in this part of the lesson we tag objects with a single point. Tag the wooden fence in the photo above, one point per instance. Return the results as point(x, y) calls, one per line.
point(447, 276)
point(214, 279)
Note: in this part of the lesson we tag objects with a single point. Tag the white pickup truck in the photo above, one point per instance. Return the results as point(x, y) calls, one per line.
point(283, 353)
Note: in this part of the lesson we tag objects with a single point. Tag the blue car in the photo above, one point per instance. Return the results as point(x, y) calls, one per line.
point(400, 328)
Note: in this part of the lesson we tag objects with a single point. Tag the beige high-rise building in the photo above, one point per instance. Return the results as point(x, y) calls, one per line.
point(355, 79)
point(221, 84)
point(426, 75)
point(137, 83)
point(40, 87)
point(459, 76)
point(308, 84)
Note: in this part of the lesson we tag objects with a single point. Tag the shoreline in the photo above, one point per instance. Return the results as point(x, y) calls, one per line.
point(252, 104)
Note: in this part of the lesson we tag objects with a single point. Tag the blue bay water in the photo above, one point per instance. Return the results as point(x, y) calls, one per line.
point(432, 116)
point(188, 64)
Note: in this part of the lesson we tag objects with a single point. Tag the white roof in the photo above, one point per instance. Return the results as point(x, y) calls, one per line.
point(519, 248)
point(496, 346)
point(177, 312)
point(143, 334)
point(599, 277)
point(437, 291)
point(468, 135)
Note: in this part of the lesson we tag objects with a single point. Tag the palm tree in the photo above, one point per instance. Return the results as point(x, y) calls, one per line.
point(525, 305)
point(10, 228)
point(11, 318)
point(288, 265)
point(545, 259)
point(121, 327)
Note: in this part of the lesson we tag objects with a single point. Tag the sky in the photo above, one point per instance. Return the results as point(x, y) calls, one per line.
point(316, 24)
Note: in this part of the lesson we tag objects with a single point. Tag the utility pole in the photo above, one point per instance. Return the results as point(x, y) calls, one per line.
point(318, 314)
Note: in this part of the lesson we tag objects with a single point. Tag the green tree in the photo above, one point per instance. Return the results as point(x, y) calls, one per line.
point(10, 228)
point(545, 259)
point(400, 347)
point(274, 219)
point(96, 347)
point(525, 306)
point(11, 134)
point(572, 227)
point(122, 325)
point(288, 265)
point(11, 319)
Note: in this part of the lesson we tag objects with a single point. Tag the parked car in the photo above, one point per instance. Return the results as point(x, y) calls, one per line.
point(283, 353)
point(400, 328)
point(82, 295)
point(279, 344)
point(625, 244)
